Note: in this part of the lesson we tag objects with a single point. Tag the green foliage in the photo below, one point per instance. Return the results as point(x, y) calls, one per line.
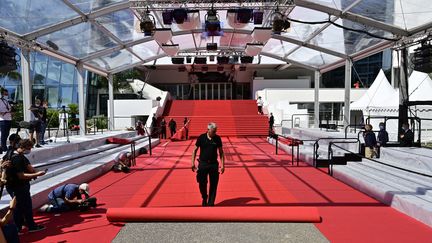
point(73, 111)
point(18, 115)
point(101, 122)
point(119, 80)
point(53, 118)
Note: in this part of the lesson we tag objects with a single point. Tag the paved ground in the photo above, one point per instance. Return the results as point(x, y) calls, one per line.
point(219, 232)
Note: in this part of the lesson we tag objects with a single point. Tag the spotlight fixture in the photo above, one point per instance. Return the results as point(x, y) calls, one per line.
point(222, 60)
point(212, 24)
point(200, 60)
point(212, 46)
point(7, 58)
point(258, 17)
point(167, 17)
point(177, 60)
point(148, 23)
point(244, 15)
point(192, 22)
point(180, 15)
point(280, 24)
point(188, 59)
point(246, 59)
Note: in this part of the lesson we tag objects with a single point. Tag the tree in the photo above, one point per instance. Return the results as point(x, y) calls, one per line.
point(120, 80)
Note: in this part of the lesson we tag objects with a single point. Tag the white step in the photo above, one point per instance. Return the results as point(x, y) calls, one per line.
point(406, 202)
point(79, 174)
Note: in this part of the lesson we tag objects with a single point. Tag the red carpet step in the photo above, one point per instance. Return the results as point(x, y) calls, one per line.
point(233, 117)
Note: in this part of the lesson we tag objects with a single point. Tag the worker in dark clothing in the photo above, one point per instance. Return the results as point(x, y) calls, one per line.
point(172, 126)
point(383, 138)
point(271, 122)
point(208, 166)
point(407, 136)
point(163, 129)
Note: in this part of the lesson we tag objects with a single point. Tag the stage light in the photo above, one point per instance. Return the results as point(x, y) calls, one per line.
point(212, 24)
point(167, 17)
point(7, 58)
point(422, 58)
point(188, 59)
point(258, 17)
point(212, 47)
point(234, 59)
point(180, 15)
point(147, 24)
point(200, 60)
point(280, 23)
point(222, 60)
point(177, 60)
point(246, 59)
point(244, 15)
point(193, 21)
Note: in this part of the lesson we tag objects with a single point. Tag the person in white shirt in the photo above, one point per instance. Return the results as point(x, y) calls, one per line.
point(5, 119)
point(260, 104)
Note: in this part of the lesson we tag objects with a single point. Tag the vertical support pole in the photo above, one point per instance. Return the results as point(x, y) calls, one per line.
point(403, 89)
point(347, 92)
point(316, 99)
point(26, 83)
point(277, 145)
point(111, 102)
point(81, 99)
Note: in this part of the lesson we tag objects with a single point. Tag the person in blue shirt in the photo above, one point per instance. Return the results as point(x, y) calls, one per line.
point(66, 197)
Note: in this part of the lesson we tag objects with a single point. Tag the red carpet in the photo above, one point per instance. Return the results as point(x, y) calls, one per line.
point(254, 176)
point(233, 117)
point(214, 214)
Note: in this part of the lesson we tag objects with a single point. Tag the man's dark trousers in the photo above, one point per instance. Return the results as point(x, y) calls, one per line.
point(212, 171)
point(5, 127)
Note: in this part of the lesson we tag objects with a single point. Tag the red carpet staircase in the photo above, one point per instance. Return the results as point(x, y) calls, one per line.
point(233, 117)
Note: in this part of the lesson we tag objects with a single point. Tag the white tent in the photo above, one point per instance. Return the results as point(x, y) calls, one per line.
point(380, 95)
point(419, 86)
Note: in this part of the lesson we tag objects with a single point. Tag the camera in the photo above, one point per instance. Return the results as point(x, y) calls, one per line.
point(87, 204)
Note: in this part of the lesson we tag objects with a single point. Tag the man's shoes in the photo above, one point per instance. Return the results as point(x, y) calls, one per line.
point(36, 228)
point(38, 146)
point(204, 202)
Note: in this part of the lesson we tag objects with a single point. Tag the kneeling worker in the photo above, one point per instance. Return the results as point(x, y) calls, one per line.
point(66, 197)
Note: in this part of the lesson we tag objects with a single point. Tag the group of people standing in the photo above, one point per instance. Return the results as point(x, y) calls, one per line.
point(373, 144)
point(161, 129)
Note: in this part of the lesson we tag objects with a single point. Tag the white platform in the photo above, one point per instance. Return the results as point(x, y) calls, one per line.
point(87, 158)
point(407, 192)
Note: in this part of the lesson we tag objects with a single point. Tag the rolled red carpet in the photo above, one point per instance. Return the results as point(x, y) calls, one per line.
point(214, 214)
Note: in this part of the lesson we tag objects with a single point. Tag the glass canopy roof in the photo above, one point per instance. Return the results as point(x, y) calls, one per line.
point(105, 34)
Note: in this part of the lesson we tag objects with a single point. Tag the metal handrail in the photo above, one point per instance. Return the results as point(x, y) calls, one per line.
point(330, 153)
point(351, 125)
point(316, 146)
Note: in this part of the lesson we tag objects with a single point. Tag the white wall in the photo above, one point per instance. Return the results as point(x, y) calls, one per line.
point(307, 95)
point(260, 84)
point(128, 108)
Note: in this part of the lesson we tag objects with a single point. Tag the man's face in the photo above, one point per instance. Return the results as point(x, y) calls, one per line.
point(212, 132)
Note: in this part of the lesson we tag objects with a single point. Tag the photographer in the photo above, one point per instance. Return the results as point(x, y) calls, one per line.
point(36, 123)
point(5, 118)
point(18, 185)
point(67, 197)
